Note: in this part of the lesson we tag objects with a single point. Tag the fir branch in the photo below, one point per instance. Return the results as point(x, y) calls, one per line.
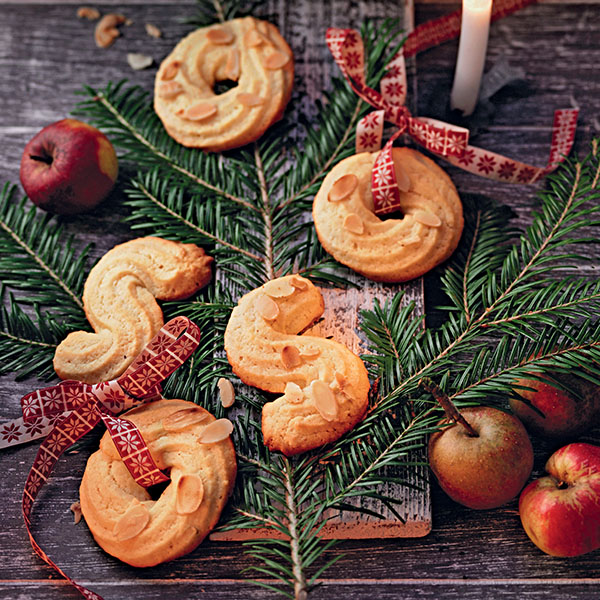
point(27, 346)
point(38, 261)
point(266, 214)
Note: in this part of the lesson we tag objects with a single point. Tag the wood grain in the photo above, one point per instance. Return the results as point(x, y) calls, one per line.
point(46, 54)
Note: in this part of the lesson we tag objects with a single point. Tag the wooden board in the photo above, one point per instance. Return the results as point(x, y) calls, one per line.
point(314, 67)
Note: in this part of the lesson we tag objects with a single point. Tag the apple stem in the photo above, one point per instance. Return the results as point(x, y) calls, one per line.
point(451, 411)
point(44, 159)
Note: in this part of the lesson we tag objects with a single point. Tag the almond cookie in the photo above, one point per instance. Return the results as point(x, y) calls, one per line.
point(393, 249)
point(245, 51)
point(184, 440)
point(119, 302)
point(324, 385)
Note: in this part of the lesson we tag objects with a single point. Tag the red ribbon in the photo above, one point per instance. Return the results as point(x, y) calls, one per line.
point(442, 139)
point(78, 407)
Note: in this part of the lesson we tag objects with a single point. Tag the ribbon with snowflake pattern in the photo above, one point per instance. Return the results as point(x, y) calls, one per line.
point(442, 139)
point(68, 411)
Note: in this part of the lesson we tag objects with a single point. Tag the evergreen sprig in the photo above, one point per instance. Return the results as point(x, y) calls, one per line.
point(506, 315)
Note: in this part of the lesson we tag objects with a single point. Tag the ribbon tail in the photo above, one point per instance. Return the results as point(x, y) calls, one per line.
point(500, 168)
point(64, 434)
point(19, 431)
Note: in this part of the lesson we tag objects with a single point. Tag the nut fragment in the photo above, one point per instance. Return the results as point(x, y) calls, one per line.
point(310, 353)
point(340, 379)
point(200, 112)
point(279, 288)
point(276, 60)
point(75, 508)
point(342, 188)
point(139, 61)
point(266, 307)
point(169, 89)
point(189, 494)
point(132, 522)
point(354, 224)
point(293, 392)
point(226, 392)
point(106, 30)
point(220, 36)
point(217, 431)
point(232, 66)
point(153, 30)
point(290, 357)
point(325, 401)
point(89, 13)
point(410, 240)
point(427, 218)
point(402, 178)
point(181, 419)
point(299, 282)
point(253, 38)
point(250, 100)
point(171, 70)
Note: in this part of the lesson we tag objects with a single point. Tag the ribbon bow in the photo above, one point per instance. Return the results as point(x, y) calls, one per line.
point(71, 409)
point(442, 139)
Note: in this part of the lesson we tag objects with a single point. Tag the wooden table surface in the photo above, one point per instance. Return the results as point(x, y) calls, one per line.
point(46, 54)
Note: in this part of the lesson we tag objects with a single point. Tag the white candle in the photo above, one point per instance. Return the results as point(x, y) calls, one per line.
point(475, 26)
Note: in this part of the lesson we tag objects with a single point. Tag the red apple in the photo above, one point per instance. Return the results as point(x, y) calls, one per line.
point(563, 414)
point(561, 512)
point(486, 470)
point(68, 167)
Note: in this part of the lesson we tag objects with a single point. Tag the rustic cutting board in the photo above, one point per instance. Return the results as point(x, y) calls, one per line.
point(314, 69)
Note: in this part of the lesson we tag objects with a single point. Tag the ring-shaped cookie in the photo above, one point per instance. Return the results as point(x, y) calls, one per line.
point(247, 51)
point(396, 249)
point(324, 385)
point(183, 439)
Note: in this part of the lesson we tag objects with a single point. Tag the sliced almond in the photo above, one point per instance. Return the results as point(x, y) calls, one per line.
point(232, 66)
point(75, 508)
point(169, 89)
point(340, 378)
point(220, 36)
point(132, 522)
point(342, 188)
point(253, 38)
point(279, 288)
point(290, 357)
point(89, 13)
point(216, 432)
point(293, 392)
point(189, 494)
point(171, 70)
point(226, 392)
point(250, 100)
point(402, 178)
point(410, 240)
point(266, 307)
point(310, 353)
point(427, 218)
point(106, 29)
point(354, 224)
point(183, 418)
point(200, 112)
point(325, 401)
point(276, 60)
point(299, 282)
point(153, 30)
point(139, 61)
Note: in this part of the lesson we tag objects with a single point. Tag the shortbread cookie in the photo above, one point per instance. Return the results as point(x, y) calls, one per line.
point(393, 249)
point(324, 385)
point(119, 302)
point(196, 451)
point(246, 51)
